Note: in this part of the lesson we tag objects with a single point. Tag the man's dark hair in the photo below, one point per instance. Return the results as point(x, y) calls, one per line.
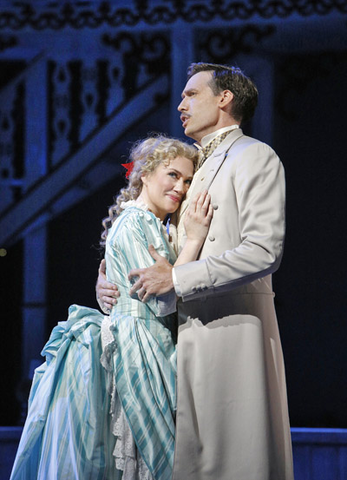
point(233, 79)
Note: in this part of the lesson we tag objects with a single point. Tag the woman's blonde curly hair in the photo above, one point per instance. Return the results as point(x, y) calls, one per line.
point(146, 155)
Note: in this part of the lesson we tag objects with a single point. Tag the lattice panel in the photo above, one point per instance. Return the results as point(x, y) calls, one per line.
point(11, 144)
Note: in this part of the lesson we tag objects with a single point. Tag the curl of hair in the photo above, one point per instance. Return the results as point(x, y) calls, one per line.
point(231, 78)
point(147, 155)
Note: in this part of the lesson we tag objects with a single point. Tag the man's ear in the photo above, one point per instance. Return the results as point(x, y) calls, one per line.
point(226, 97)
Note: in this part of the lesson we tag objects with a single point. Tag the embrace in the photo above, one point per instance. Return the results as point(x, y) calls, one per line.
point(184, 377)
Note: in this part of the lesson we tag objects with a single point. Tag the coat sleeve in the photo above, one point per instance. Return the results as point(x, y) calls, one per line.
point(259, 188)
point(141, 230)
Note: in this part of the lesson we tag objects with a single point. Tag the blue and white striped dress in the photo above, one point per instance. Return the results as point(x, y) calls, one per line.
point(69, 432)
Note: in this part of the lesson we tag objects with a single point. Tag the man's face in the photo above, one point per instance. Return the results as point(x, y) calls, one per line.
point(200, 113)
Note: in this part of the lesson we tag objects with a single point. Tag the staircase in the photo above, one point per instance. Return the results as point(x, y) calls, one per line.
point(49, 184)
point(62, 122)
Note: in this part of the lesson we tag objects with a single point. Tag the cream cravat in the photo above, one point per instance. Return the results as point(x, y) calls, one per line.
point(207, 151)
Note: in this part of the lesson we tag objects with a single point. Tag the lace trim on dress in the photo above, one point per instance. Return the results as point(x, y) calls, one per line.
point(127, 456)
point(134, 203)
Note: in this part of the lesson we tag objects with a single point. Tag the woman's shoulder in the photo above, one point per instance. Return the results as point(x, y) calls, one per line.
point(137, 214)
point(134, 219)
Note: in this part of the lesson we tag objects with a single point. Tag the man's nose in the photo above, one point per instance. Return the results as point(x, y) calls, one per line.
point(181, 107)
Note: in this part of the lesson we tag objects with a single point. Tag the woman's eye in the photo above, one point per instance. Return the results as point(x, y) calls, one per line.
point(173, 174)
point(188, 182)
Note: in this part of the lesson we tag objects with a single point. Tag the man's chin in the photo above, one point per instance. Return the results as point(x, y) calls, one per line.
point(189, 133)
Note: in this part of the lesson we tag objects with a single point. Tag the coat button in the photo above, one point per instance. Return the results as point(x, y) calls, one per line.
point(211, 238)
point(215, 206)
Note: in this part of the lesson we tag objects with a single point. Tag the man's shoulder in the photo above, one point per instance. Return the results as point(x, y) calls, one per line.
point(245, 142)
point(237, 140)
point(248, 140)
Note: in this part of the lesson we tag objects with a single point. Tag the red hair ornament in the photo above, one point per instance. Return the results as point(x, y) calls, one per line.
point(129, 167)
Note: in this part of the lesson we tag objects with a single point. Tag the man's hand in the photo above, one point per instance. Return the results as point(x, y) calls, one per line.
point(154, 280)
point(106, 292)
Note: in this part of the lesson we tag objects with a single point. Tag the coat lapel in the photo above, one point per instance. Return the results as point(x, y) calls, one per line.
point(206, 174)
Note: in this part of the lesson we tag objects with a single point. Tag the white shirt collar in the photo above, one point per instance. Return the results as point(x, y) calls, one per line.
point(208, 138)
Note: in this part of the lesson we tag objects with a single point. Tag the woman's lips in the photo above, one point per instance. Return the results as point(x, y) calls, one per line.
point(174, 198)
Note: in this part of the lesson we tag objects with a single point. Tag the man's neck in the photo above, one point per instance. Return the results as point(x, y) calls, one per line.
point(208, 138)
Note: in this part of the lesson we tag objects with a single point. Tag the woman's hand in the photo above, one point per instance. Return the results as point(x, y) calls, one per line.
point(198, 217)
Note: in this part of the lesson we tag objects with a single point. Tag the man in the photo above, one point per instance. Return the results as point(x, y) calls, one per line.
point(232, 417)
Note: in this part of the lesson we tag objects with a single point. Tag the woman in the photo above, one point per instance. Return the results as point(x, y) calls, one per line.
point(69, 432)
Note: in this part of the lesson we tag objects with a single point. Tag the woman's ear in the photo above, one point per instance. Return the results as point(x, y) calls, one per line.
point(144, 179)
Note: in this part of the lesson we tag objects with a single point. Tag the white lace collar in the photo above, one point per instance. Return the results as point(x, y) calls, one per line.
point(134, 203)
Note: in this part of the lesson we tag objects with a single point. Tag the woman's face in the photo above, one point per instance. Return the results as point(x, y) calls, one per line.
point(163, 190)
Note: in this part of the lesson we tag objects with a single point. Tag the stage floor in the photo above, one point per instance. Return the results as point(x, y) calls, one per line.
point(319, 453)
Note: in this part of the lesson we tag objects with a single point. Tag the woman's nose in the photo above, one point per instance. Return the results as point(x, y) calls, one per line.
point(179, 187)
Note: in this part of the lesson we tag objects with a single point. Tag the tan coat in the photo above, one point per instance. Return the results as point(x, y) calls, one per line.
point(232, 419)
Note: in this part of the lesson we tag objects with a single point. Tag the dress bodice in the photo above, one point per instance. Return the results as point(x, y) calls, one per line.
point(127, 248)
